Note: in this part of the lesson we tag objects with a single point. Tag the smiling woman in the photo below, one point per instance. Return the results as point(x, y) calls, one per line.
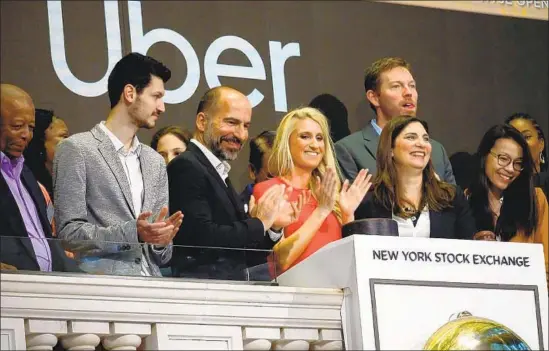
point(407, 189)
point(303, 159)
point(502, 195)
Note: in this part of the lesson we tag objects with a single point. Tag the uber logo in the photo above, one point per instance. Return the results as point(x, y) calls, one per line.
point(142, 42)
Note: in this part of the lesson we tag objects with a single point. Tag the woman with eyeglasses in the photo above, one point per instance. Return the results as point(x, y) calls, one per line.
point(502, 195)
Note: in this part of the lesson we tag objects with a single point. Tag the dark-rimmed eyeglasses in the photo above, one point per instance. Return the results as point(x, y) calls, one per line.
point(504, 161)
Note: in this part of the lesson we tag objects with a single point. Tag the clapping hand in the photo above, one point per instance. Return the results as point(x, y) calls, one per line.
point(291, 210)
point(327, 193)
point(161, 231)
point(269, 205)
point(351, 195)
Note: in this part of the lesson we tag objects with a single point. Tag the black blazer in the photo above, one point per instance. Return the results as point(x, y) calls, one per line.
point(214, 216)
point(456, 222)
point(16, 248)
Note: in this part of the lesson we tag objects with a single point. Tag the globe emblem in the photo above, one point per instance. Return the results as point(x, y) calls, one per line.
point(467, 332)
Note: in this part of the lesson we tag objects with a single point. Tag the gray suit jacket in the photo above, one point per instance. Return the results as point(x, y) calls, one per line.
point(93, 204)
point(358, 151)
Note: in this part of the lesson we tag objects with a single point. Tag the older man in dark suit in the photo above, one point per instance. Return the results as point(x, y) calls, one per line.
point(391, 91)
point(200, 187)
point(25, 234)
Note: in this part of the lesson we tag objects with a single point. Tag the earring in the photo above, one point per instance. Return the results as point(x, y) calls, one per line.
point(541, 158)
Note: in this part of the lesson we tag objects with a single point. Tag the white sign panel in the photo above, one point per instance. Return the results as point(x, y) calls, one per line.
point(401, 290)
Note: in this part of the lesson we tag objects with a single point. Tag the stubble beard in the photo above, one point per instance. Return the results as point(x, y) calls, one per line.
point(138, 117)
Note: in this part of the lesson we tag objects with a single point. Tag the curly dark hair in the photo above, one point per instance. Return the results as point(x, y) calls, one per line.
point(260, 145)
point(35, 153)
point(541, 135)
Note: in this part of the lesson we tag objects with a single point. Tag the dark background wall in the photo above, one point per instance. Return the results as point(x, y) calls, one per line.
point(472, 69)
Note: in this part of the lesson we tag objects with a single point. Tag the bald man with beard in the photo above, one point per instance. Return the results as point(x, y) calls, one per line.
point(214, 214)
point(24, 227)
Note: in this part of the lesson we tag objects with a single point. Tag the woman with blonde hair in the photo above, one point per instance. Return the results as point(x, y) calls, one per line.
point(303, 159)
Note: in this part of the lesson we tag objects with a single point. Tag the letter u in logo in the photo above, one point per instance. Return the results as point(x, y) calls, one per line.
point(59, 57)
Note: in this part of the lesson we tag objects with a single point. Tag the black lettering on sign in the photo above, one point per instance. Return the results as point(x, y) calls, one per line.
point(385, 255)
point(441, 257)
point(495, 260)
point(424, 256)
point(452, 258)
point(438, 257)
point(419, 256)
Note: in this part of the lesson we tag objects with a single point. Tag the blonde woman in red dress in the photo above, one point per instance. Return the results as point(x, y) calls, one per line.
point(303, 159)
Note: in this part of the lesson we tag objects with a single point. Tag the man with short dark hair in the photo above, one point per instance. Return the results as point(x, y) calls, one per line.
point(391, 92)
point(108, 185)
point(200, 187)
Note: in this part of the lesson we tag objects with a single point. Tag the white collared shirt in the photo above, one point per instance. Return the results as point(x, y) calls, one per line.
point(376, 127)
point(222, 168)
point(421, 230)
point(132, 168)
point(131, 164)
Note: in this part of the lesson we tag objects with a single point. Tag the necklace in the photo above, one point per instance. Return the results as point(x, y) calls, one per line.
point(494, 211)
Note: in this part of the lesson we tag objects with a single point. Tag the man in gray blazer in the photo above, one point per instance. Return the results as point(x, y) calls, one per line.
point(107, 185)
point(391, 92)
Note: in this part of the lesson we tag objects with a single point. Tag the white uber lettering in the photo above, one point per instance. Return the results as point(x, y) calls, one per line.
point(59, 57)
point(142, 42)
point(279, 55)
point(212, 69)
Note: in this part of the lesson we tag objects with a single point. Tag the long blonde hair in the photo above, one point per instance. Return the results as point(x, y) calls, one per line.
point(281, 163)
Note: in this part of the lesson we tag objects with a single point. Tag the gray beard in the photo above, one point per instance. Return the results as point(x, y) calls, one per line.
point(215, 148)
point(223, 155)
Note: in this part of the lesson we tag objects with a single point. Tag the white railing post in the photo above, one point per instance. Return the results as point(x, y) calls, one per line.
point(255, 338)
point(82, 312)
point(41, 334)
point(84, 335)
point(126, 336)
point(296, 339)
point(329, 339)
